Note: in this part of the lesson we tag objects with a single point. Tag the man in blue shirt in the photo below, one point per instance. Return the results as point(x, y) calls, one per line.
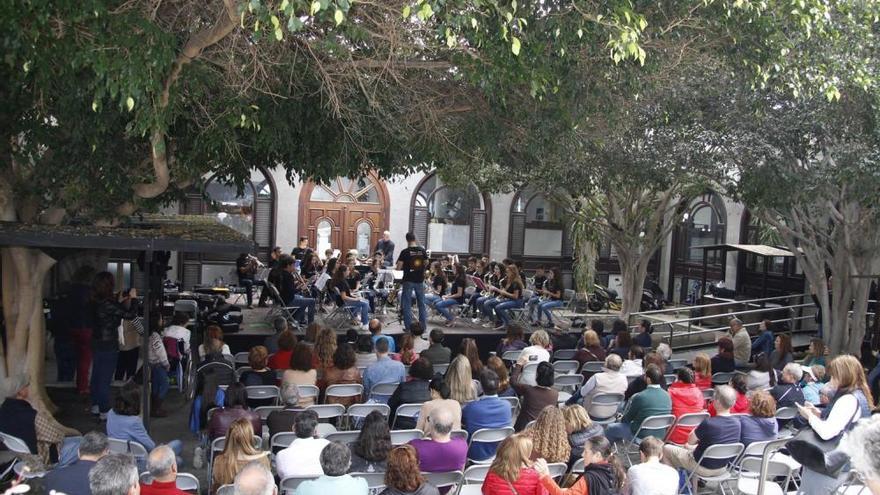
point(376, 330)
point(74, 479)
point(384, 370)
point(486, 412)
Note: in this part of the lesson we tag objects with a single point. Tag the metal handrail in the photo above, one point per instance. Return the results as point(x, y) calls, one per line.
point(712, 305)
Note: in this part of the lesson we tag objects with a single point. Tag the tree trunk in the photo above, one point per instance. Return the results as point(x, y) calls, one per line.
point(633, 269)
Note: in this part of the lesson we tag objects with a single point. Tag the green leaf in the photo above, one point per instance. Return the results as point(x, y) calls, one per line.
point(338, 16)
point(129, 103)
point(294, 24)
point(406, 11)
point(315, 7)
point(279, 35)
point(514, 45)
point(275, 21)
point(284, 5)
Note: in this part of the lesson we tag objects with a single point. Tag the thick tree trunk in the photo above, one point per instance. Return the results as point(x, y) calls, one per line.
point(633, 269)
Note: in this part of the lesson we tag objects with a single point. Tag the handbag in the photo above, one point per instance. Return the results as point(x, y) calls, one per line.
point(819, 455)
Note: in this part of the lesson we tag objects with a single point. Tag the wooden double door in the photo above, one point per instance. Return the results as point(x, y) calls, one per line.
point(344, 214)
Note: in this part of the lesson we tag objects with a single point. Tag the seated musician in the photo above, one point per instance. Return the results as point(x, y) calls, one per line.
point(455, 296)
point(551, 297)
point(438, 284)
point(291, 287)
point(486, 303)
point(246, 269)
point(537, 286)
point(508, 298)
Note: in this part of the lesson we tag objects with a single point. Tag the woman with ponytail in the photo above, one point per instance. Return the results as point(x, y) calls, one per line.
point(603, 472)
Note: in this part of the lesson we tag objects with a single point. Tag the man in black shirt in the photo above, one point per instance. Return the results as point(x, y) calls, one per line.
point(413, 261)
point(386, 247)
point(290, 290)
point(246, 268)
point(273, 262)
point(300, 250)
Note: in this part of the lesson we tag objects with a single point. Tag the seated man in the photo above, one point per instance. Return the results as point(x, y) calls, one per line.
point(488, 411)
point(335, 461)
point(292, 289)
point(608, 381)
point(787, 392)
point(39, 430)
point(302, 458)
point(720, 429)
point(633, 365)
point(162, 465)
point(651, 477)
point(282, 421)
point(74, 479)
point(114, 474)
point(255, 479)
point(437, 353)
point(441, 452)
point(652, 401)
point(384, 370)
point(375, 327)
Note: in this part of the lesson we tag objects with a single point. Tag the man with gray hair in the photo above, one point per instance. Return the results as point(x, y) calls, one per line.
point(441, 452)
point(718, 430)
point(335, 461)
point(162, 465)
point(114, 474)
point(787, 393)
point(302, 457)
point(608, 381)
point(255, 479)
point(742, 343)
point(74, 479)
point(282, 421)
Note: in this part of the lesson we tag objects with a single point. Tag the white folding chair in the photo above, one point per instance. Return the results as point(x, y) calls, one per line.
point(564, 354)
point(568, 382)
point(604, 407)
point(328, 411)
point(324, 429)
point(291, 483)
point(689, 420)
point(226, 490)
point(265, 411)
point(343, 391)
point(281, 440)
point(407, 411)
point(445, 479)
point(558, 469)
point(16, 444)
point(722, 378)
point(670, 379)
point(476, 474)
point(343, 437)
point(383, 391)
point(511, 356)
point(565, 367)
point(728, 452)
point(240, 371)
point(514, 406)
point(592, 367)
point(676, 364)
point(652, 425)
point(240, 359)
point(488, 435)
point(118, 446)
point(401, 437)
point(357, 412)
point(709, 394)
point(529, 374)
point(750, 479)
point(263, 393)
point(462, 434)
point(440, 368)
point(578, 466)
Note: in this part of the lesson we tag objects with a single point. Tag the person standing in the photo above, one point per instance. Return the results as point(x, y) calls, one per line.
point(299, 251)
point(246, 269)
point(386, 247)
point(108, 309)
point(742, 343)
point(413, 260)
point(80, 323)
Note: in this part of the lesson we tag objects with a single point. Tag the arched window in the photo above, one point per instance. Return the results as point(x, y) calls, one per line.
point(704, 224)
point(450, 219)
point(537, 227)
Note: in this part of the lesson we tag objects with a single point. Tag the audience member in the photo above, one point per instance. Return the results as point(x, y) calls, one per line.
point(741, 406)
point(643, 338)
point(384, 370)
point(511, 470)
point(497, 365)
point(514, 340)
point(702, 371)
point(720, 429)
point(414, 391)
point(763, 343)
point(114, 474)
point(440, 452)
point(549, 436)
point(488, 411)
point(579, 428)
point(279, 324)
point(724, 362)
point(609, 381)
point(781, 354)
point(436, 352)
point(369, 452)
point(862, 445)
point(376, 334)
point(311, 335)
point(108, 310)
point(124, 421)
point(534, 398)
point(302, 370)
point(255, 479)
point(215, 332)
point(259, 374)
point(592, 349)
point(787, 393)
point(638, 384)
point(74, 478)
point(815, 354)
point(813, 382)
point(651, 477)
point(282, 420)
point(403, 476)
point(439, 400)
point(281, 359)
point(420, 343)
point(344, 371)
point(178, 331)
point(686, 398)
point(622, 339)
point(537, 352)
point(633, 365)
point(325, 347)
point(407, 354)
point(603, 472)
point(665, 352)
point(235, 407)
point(469, 349)
point(653, 401)
point(335, 462)
point(742, 343)
point(763, 376)
point(460, 380)
point(761, 424)
point(162, 466)
point(238, 452)
point(302, 457)
point(365, 354)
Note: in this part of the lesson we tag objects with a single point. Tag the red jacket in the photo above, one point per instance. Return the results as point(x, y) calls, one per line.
point(160, 488)
point(527, 483)
point(741, 406)
point(280, 360)
point(703, 382)
point(686, 398)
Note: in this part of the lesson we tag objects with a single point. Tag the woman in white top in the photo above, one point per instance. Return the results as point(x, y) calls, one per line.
point(302, 371)
point(851, 402)
point(538, 351)
point(177, 330)
point(763, 376)
point(215, 332)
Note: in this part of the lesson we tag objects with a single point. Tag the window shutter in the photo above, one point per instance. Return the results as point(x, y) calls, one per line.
point(478, 232)
point(419, 224)
point(192, 275)
point(263, 224)
point(517, 233)
point(192, 204)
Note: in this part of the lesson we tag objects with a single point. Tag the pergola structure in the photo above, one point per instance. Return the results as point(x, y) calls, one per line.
point(764, 251)
point(150, 235)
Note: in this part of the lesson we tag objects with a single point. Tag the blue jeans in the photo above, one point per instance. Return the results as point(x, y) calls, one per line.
point(248, 285)
point(432, 299)
point(103, 368)
point(443, 307)
point(488, 307)
point(305, 305)
point(502, 307)
point(363, 307)
point(406, 303)
point(159, 385)
point(618, 432)
point(69, 451)
point(545, 308)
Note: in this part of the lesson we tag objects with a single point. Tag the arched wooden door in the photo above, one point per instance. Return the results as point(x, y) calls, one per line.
point(344, 214)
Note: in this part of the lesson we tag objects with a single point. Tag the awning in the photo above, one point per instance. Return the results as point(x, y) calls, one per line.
point(759, 249)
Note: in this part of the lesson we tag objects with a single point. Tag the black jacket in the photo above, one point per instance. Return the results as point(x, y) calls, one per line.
point(17, 418)
point(108, 315)
point(412, 392)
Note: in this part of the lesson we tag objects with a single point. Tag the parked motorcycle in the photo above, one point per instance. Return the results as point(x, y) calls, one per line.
point(652, 296)
point(601, 298)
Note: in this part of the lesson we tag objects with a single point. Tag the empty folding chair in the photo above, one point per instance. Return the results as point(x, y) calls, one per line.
point(407, 411)
point(263, 394)
point(604, 407)
point(358, 412)
point(291, 483)
point(488, 435)
point(401, 437)
point(688, 422)
point(652, 425)
point(566, 366)
point(721, 378)
point(382, 391)
point(343, 437)
point(440, 369)
point(675, 364)
point(446, 479)
point(281, 441)
point(328, 411)
point(564, 354)
point(375, 481)
point(729, 452)
point(240, 359)
point(343, 391)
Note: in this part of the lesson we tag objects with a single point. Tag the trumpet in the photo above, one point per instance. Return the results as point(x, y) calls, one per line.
point(255, 261)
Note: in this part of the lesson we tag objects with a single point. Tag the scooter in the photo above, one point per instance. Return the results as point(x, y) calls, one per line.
point(602, 298)
point(652, 296)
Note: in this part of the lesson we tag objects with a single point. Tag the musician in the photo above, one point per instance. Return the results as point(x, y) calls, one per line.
point(374, 282)
point(273, 262)
point(509, 297)
point(455, 296)
point(537, 284)
point(413, 261)
point(292, 286)
point(340, 285)
point(540, 278)
point(439, 282)
point(299, 251)
point(550, 297)
point(386, 247)
point(246, 269)
point(471, 266)
point(492, 275)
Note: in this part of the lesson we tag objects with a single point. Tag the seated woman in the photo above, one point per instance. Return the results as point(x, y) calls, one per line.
point(460, 380)
point(592, 349)
point(342, 372)
point(639, 383)
point(763, 376)
point(439, 400)
point(622, 339)
point(761, 425)
point(455, 297)
point(238, 452)
point(281, 359)
point(781, 354)
point(407, 354)
point(702, 371)
point(413, 391)
point(259, 374)
point(214, 332)
point(439, 283)
point(511, 470)
point(403, 476)
point(322, 355)
point(235, 407)
point(508, 298)
point(686, 398)
point(513, 341)
point(549, 437)
point(723, 362)
point(534, 398)
point(739, 385)
point(580, 428)
point(815, 354)
point(369, 453)
point(124, 421)
point(603, 472)
point(302, 371)
point(497, 365)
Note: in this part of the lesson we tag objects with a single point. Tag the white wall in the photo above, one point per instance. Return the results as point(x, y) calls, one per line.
point(400, 193)
point(287, 204)
point(501, 204)
point(734, 226)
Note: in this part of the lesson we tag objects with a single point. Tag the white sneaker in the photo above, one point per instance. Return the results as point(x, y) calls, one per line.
point(475, 320)
point(198, 457)
point(95, 411)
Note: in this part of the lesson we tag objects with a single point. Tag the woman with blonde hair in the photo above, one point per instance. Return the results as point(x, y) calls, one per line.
point(460, 380)
point(238, 452)
point(703, 371)
point(592, 349)
point(538, 351)
point(511, 471)
point(468, 347)
point(549, 438)
point(325, 347)
point(579, 428)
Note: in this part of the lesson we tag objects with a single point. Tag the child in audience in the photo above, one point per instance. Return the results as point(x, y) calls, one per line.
point(813, 376)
